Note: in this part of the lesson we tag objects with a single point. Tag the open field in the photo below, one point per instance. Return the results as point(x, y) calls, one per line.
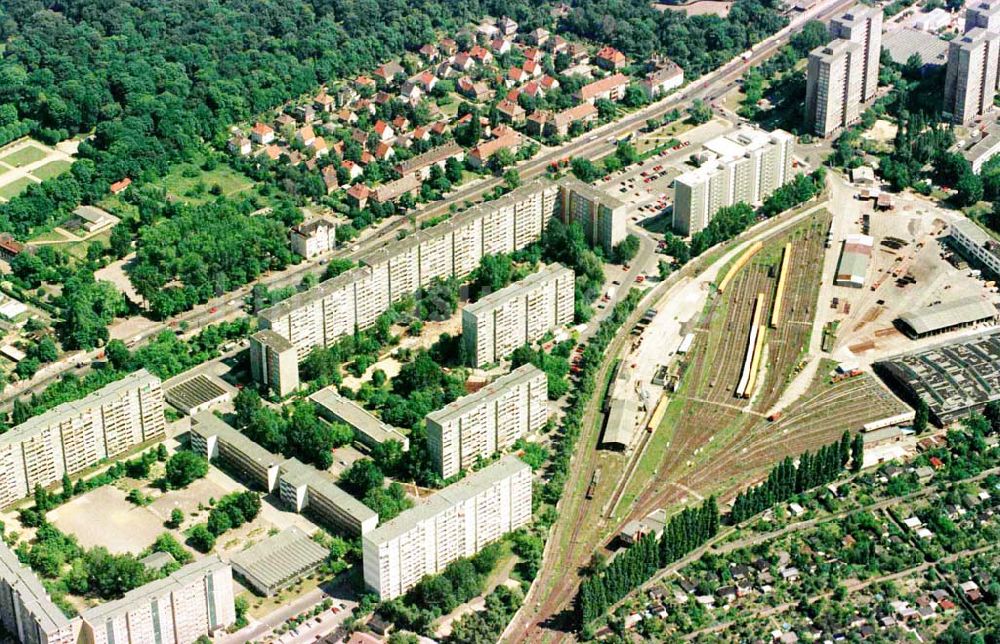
point(15, 187)
point(196, 188)
point(24, 156)
point(51, 169)
point(698, 8)
point(122, 527)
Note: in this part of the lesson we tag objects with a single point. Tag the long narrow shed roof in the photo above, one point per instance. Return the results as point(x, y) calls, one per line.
point(948, 314)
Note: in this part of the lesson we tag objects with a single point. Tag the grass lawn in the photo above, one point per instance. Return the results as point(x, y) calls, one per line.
point(24, 156)
point(51, 169)
point(184, 188)
point(15, 188)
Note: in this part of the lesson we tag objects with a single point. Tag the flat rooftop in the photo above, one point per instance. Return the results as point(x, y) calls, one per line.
point(349, 412)
point(903, 43)
point(193, 392)
point(143, 594)
point(269, 338)
point(964, 310)
point(279, 558)
point(454, 494)
point(518, 376)
point(547, 272)
point(208, 424)
point(23, 580)
point(135, 380)
point(589, 191)
point(952, 378)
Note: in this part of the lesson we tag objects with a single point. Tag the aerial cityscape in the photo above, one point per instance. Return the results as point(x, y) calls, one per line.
point(354, 321)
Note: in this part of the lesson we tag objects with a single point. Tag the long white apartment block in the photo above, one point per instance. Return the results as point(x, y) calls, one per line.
point(862, 24)
point(194, 601)
point(746, 165)
point(834, 82)
point(74, 436)
point(335, 308)
point(488, 421)
point(456, 522)
point(520, 313)
point(26, 610)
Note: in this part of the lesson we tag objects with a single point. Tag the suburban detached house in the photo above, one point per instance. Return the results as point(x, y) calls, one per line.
point(261, 133)
point(511, 112)
point(410, 92)
point(611, 88)
point(538, 37)
point(667, 76)
point(119, 187)
point(330, 179)
point(610, 58)
point(305, 136)
point(500, 46)
point(429, 53)
point(384, 151)
point(240, 145)
point(324, 102)
point(448, 46)
point(516, 76)
point(481, 55)
point(506, 26)
point(475, 90)
point(387, 72)
point(533, 68)
point(358, 194)
point(353, 169)
point(384, 131)
point(533, 54)
point(463, 62)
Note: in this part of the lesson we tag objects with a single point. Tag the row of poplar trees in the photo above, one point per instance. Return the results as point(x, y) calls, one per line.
point(786, 480)
point(693, 527)
point(685, 532)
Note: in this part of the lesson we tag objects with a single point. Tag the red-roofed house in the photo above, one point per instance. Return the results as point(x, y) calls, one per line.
point(533, 69)
point(533, 54)
point(427, 80)
point(511, 112)
point(384, 131)
point(500, 46)
point(358, 195)
point(481, 55)
point(548, 83)
point(119, 187)
point(323, 102)
point(482, 153)
point(353, 169)
point(611, 88)
point(610, 58)
point(429, 52)
point(261, 133)
point(515, 76)
point(9, 247)
point(384, 151)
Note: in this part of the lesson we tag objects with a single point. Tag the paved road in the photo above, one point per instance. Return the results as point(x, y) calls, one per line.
point(339, 591)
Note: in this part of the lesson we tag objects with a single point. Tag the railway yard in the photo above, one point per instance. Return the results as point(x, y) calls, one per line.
point(750, 374)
